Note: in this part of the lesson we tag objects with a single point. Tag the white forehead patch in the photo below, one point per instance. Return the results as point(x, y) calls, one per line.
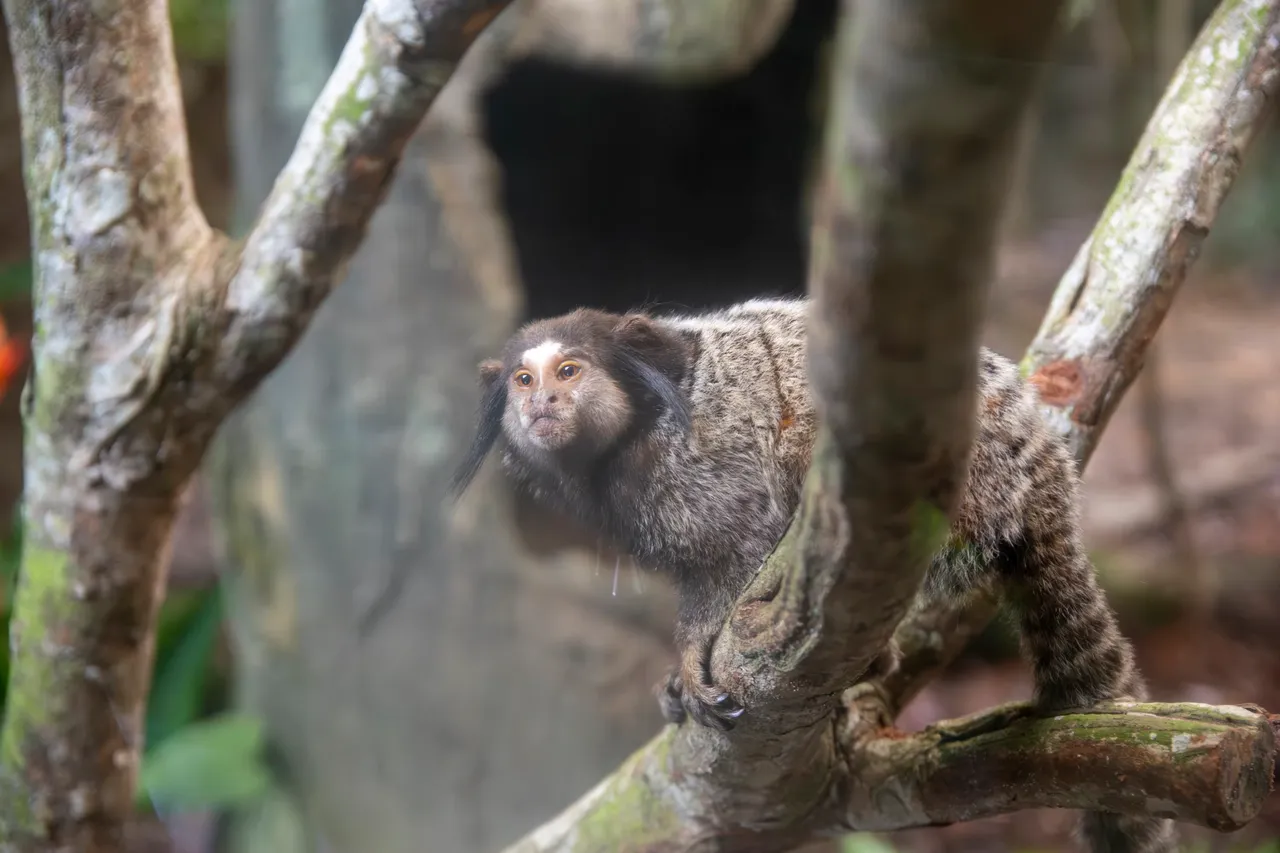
point(537, 357)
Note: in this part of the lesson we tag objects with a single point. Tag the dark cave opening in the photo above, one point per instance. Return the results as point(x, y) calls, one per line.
point(625, 192)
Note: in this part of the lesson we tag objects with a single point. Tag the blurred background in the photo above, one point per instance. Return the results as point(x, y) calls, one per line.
point(347, 664)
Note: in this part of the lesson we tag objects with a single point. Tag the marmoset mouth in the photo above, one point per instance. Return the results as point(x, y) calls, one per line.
point(544, 425)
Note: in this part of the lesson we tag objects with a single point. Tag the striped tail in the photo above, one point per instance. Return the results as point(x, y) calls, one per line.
point(1079, 656)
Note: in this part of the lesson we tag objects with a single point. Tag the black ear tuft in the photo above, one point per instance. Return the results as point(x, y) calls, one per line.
point(652, 360)
point(640, 372)
point(488, 428)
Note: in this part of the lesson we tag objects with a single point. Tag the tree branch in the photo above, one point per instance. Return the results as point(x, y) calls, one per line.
point(145, 342)
point(113, 221)
point(1112, 299)
point(399, 57)
point(1211, 766)
point(151, 328)
point(916, 169)
point(1120, 286)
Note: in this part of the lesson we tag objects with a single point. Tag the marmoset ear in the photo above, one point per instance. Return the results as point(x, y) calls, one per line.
point(637, 331)
point(490, 369)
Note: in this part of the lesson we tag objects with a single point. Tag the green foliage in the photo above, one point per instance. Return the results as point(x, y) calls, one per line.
point(15, 281)
point(274, 824)
point(10, 559)
point(186, 640)
point(215, 763)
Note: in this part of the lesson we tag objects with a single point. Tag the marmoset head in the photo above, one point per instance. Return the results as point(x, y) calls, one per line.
point(568, 389)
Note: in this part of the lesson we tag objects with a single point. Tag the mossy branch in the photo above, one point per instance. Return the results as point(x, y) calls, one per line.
point(1116, 293)
point(1207, 765)
point(1202, 764)
point(1111, 301)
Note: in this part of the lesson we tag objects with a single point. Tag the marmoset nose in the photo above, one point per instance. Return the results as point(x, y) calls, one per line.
point(543, 397)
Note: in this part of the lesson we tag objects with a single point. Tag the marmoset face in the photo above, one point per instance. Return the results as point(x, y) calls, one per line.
point(562, 401)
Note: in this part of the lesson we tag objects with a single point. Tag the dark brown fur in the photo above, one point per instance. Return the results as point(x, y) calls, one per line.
point(699, 473)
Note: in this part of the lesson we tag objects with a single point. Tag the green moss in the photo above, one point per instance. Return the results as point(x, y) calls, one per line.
point(629, 813)
point(351, 105)
point(41, 598)
point(1189, 735)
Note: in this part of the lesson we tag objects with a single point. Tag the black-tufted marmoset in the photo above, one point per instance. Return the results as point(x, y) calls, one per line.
point(685, 440)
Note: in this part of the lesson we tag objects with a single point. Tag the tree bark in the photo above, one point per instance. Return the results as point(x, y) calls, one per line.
point(1202, 764)
point(150, 328)
point(1183, 168)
